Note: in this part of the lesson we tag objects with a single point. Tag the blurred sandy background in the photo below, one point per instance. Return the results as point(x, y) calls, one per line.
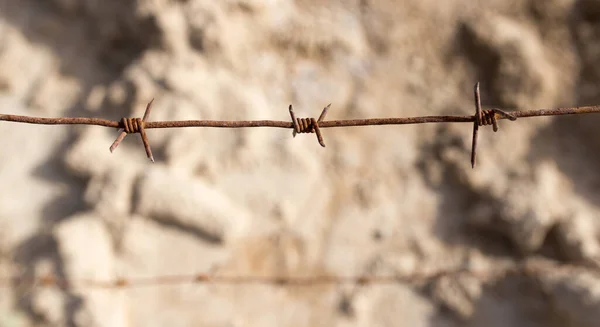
point(376, 201)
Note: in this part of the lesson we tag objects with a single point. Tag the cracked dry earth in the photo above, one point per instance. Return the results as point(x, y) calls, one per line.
point(376, 201)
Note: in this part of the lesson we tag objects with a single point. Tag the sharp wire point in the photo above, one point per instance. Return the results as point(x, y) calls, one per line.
point(117, 141)
point(148, 109)
point(476, 123)
point(323, 113)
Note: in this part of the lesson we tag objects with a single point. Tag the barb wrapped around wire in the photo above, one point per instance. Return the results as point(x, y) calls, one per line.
point(483, 118)
point(135, 125)
point(309, 125)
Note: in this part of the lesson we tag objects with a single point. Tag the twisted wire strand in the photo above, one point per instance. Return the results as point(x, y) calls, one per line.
point(132, 125)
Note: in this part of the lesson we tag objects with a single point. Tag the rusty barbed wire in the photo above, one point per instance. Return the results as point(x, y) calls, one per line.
point(482, 117)
point(484, 275)
point(529, 268)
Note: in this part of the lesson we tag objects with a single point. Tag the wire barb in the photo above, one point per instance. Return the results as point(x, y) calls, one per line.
point(483, 118)
point(135, 125)
point(308, 125)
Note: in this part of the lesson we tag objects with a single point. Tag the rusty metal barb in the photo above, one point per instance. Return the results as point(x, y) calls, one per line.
point(135, 125)
point(308, 125)
point(482, 117)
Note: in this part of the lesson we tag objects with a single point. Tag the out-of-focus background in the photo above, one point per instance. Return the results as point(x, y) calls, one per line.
point(375, 201)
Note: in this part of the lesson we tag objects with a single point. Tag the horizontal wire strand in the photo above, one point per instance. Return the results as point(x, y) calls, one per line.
point(50, 280)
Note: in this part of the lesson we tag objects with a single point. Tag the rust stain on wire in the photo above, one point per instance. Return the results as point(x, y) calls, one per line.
point(304, 125)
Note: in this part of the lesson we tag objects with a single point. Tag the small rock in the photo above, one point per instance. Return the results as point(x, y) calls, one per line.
point(578, 237)
point(87, 252)
point(188, 202)
point(527, 223)
point(512, 57)
point(574, 294)
point(458, 294)
point(392, 305)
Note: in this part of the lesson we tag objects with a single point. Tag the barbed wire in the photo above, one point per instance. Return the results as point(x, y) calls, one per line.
point(482, 117)
point(532, 268)
point(319, 280)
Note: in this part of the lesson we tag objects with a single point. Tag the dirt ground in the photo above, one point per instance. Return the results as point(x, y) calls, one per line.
point(377, 201)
